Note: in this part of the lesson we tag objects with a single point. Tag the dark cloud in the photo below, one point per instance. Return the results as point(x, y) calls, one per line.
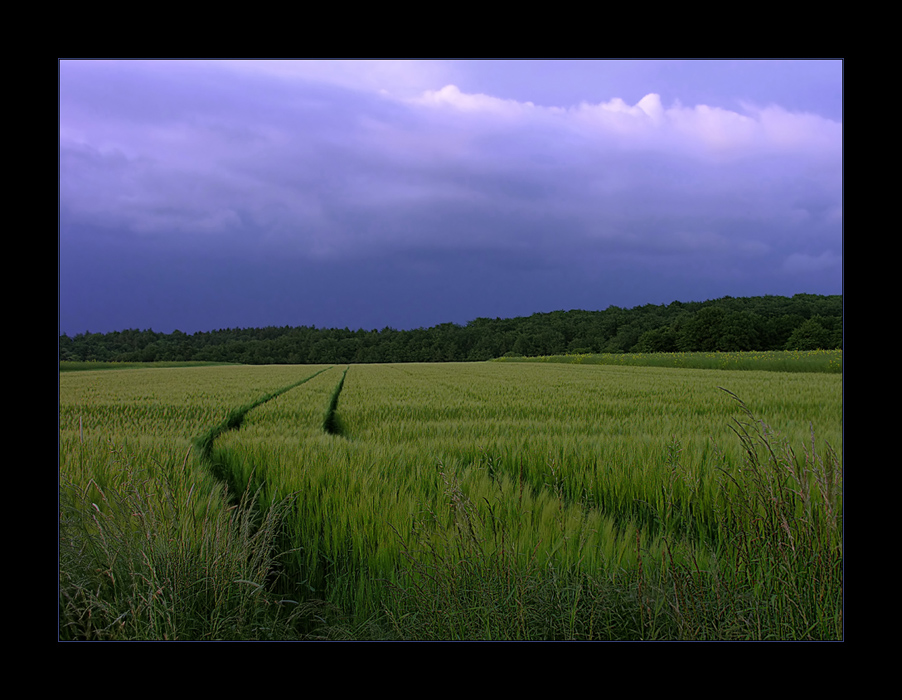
point(200, 195)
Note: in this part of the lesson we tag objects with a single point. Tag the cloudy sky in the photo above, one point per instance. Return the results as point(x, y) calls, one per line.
point(202, 195)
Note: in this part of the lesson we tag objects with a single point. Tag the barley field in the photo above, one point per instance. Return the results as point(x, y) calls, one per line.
point(498, 500)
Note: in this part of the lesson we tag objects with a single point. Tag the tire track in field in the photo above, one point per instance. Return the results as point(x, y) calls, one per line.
point(204, 443)
point(332, 422)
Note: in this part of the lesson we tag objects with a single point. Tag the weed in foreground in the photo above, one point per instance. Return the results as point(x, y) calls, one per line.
point(144, 560)
point(781, 523)
point(777, 569)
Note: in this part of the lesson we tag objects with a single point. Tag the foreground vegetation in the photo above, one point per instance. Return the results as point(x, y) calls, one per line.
point(509, 501)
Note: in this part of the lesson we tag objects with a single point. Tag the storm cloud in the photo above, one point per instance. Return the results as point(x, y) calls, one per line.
point(200, 195)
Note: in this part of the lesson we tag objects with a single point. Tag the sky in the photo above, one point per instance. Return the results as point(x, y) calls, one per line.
point(200, 195)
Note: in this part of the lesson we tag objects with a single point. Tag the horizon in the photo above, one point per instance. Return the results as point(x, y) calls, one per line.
point(441, 323)
point(207, 195)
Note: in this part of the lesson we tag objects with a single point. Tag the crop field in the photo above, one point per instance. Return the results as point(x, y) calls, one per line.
point(828, 361)
point(498, 500)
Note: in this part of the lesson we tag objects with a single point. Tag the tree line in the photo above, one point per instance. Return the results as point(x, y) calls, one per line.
point(801, 322)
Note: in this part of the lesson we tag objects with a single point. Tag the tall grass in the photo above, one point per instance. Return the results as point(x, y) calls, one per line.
point(481, 501)
point(379, 521)
point(151, 545)
point(783, 533)
point(157, 556)
point(778, 571)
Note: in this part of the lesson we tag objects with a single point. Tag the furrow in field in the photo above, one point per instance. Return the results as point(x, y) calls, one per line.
point(332, 422)
point(204, 443)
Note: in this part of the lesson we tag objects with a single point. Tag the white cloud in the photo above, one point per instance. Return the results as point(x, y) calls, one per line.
point(702, 131)
point(651, 105)
point(451, 96)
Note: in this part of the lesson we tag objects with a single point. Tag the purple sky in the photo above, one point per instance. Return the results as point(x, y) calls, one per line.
point(201, 195)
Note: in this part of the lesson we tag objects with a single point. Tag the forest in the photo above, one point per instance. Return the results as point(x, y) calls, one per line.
point(729, 324)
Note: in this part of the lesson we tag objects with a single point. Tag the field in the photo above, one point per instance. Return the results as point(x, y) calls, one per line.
point(823, 361)
point(499, 500)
